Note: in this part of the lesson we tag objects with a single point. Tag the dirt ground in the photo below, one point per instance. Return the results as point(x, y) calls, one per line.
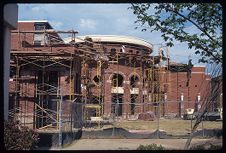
point(132, 144)
point(175, 127)
point(171, 126)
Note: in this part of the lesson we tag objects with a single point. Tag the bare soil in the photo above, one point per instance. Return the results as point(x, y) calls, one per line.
point(133, 144)
point(171, 126)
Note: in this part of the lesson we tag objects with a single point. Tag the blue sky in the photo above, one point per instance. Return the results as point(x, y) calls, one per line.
point(98, 19)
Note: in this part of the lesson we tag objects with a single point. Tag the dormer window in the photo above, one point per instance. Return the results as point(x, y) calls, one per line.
point(40, 26)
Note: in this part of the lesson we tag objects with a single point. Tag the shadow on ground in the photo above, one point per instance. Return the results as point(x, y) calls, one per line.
point(51, 140)
point(122, 133)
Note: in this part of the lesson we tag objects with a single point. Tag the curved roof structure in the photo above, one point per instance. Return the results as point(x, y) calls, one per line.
point(115, 39)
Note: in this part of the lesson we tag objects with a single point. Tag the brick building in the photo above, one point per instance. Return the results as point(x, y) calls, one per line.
point(138, 81)
point(193, 89)
point(109, 75)
point(43, 70)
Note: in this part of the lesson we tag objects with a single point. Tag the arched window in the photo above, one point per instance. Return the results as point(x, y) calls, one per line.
point(117, 80)
point(134, 81)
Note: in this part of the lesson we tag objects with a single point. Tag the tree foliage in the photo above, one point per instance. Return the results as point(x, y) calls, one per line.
point(17, 137)
point(174, 19)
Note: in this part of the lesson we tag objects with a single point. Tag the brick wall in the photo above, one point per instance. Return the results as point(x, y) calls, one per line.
point(176, 81)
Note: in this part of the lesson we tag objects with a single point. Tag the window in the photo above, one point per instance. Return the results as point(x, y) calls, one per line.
point(97, 79)
point(12, 71)
point(131, 51)
point(117, 80)
point(134, 81)
point(40, 26)
point(113, 50)
point(195, 85)
point(39, 39)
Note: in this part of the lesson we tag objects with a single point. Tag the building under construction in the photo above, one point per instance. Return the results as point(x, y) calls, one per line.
point(57, 77)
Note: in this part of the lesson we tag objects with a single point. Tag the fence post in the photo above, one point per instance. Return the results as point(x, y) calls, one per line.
point(165, 101)
point(182, 104)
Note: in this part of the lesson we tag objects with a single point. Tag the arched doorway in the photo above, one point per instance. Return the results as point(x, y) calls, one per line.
point(117, 97)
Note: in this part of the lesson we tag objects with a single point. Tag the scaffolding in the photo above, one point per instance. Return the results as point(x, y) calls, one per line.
point(54, 59)
point(157, 74)
point(92, 80)
point(146, 85)
point(38, 89)
point(41, 100)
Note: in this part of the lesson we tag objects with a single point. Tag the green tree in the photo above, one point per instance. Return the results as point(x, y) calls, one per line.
point(173, 20)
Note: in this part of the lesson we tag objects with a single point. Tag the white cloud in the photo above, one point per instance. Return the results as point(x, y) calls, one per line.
point(113, 19)
point(56, 24)
point(87, 23)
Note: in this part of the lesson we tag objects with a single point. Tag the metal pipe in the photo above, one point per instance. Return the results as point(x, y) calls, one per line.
point(60, 119)
point(158, 122)
point(44, 31)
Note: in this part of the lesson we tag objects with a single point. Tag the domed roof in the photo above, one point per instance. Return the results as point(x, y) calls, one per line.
point(113, 38)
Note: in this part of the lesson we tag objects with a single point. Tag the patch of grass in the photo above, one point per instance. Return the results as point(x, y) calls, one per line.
point(204, 147)
point(171, 126)
point(198, 147)
point(214, 147)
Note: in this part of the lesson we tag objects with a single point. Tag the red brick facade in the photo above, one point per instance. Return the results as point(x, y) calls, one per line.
point(176, 83)
point(58, 75)
point(40, 71)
